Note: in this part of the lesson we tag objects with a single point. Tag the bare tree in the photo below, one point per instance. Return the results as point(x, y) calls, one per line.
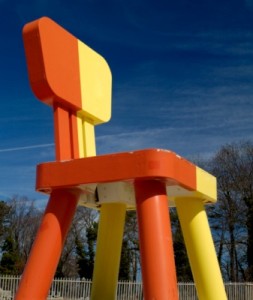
point(130, 254)
point(21, 225)
point(83, 220)
point(4, 212)
point(24, 218)
point(232, 216)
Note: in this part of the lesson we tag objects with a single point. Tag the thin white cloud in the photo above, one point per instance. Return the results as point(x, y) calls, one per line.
point(26, 147)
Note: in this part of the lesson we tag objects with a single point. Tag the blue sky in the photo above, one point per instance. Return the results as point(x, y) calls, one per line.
point(182, 78)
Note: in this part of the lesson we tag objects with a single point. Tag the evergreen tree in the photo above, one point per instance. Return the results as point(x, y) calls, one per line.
point(4, 211)
point(125, 262)
point(82, 260)
point(86, 253)
point(11, 262)
point(183, 268)
point(130, 258)
point(91, 234)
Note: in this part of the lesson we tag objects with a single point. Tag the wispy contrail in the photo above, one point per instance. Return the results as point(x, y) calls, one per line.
point(26, 147)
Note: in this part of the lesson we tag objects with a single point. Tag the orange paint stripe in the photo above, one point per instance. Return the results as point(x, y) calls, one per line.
point(151, 163)
point(53, 67)
point(74, 136)
point(155, 237)
point(53, 63)
point(62, 134)
point(52, 59)
point(47, 247)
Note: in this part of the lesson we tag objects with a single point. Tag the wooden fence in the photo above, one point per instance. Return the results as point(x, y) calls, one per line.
point(79, 289)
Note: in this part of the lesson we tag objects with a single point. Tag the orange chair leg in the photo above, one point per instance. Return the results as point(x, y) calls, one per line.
point(46, 251)
point(157, 257)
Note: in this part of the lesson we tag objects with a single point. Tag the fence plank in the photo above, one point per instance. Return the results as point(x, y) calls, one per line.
point(80, 289)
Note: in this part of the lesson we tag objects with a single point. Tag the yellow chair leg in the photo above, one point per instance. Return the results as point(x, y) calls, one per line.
point(200, 249)
point(108, 252)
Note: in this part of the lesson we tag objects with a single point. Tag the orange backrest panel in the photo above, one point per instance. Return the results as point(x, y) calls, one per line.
point(53, 63)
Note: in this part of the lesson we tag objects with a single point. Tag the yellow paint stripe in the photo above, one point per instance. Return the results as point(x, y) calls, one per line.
point(200, 249)
point(206, 185)
point(109, 244)
point(80, 135)
point(86, 137)
point(89, 137)
point(96, 82)
point(206, 189)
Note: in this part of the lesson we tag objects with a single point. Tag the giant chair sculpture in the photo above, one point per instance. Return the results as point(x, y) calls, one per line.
point(76, 82)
